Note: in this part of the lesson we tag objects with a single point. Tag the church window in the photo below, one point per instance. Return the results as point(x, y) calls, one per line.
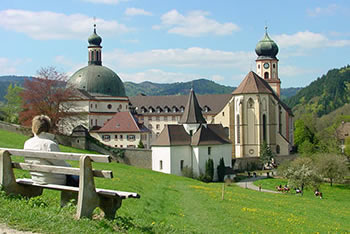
point(223, 113)
point(191, 132)
point(258, 66)
point(274, 65)
point(278, 150)
point(92, 55)
point(279, 119)
point(181, 165)
point(238, 130)
point(209, 150)
point(266, 75)
point(250, 103)
point(161, 165)
point(264, 127)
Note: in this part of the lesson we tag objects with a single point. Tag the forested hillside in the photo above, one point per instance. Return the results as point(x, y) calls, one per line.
point(323, 95)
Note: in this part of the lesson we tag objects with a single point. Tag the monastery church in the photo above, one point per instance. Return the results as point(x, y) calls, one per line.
point(233, 125)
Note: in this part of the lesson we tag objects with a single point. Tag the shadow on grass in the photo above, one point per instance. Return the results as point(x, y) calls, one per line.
point(127, 224)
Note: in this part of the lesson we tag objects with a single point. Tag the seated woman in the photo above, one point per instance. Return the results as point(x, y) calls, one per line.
point(43, 141)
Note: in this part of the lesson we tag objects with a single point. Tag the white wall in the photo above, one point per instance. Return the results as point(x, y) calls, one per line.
point(179, 153)
point(161, 154)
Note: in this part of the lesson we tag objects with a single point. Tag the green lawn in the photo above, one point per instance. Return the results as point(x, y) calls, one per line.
point(172, 204)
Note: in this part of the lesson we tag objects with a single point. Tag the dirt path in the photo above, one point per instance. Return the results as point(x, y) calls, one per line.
point(248, 183)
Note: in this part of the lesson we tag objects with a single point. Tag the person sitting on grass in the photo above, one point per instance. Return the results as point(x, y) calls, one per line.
point(43, 141)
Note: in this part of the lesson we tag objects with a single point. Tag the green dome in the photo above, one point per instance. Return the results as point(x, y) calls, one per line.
point(266, 48)
point(98, 80)
point(94, 39)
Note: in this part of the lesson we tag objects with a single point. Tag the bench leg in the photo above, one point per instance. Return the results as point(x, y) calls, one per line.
point(88, 199)
point(110, 206)
point(8, 179)
point(67, 196)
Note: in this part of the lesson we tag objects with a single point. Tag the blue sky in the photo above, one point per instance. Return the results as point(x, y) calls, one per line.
point(170, 41)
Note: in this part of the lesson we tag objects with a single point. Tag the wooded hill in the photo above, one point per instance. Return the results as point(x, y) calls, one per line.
point(201, 86)
point(324, 95)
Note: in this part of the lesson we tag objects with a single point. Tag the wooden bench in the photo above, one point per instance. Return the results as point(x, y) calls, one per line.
point(89, 197)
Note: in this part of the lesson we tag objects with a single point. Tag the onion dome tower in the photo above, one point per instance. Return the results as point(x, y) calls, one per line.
point(96, 79)
point(267, 62)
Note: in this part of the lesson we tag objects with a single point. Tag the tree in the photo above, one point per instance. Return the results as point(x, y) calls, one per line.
point(221, 169)
point(332, 166)
point(13, 104)
point(347, 147)
point(46, 94)
point(266, 155)
point(303, 133)
point(140, 145)
point(301, 173)
point(209, 170)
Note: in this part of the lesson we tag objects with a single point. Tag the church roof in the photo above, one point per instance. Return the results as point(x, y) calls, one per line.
point(122, 122)
point(175, 135)
point(253, 83)
point(193, 112)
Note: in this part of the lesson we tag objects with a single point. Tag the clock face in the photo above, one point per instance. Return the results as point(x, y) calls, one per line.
point(266, 65)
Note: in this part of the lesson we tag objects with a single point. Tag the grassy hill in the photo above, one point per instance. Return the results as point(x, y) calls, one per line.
point(172, 204)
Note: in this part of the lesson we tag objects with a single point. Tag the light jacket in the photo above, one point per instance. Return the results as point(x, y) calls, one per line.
point(44, 142)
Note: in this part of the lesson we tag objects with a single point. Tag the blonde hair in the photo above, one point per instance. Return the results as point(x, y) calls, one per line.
point(41, 123)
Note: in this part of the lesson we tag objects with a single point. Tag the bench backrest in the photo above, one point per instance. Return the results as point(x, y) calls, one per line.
point(59, 156)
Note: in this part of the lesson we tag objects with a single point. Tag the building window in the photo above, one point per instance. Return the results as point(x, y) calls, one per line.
point(209, 150)
point(109, 106)
point(149, 118)
point(264, 127)
point(96, 122)
point(106, 137)
point(157, 118)
point(121, 137)
point(161, 165)
point(274, 65)
point(279, 119)
point(121, 146)
point(266, 75)
point(126, 107)
point(92, 122)
point(173, 118)
point(144, 137)
point(131, 137)
point(250, 103)
point(278, 149)
point(91, 105)
point(165, 118)
point(182, 109)
point(223, 113)
point(157, 126)
point(258, 66)
point(181, 165)
point(115, 136)
point(238, 130)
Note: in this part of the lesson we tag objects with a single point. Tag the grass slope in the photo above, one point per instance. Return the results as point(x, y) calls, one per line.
point(172, 204)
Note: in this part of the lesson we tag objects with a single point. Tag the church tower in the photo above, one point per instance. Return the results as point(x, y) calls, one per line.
point(267, 62)
point(95, 49)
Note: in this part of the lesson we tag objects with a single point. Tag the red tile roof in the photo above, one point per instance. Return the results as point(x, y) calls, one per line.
point(123, 122)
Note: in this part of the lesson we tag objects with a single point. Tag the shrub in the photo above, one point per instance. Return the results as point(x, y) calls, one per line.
point(209, 170)
point(221, 170)
point(187, 172)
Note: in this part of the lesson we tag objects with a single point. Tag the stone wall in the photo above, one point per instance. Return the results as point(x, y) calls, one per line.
point(15, 128)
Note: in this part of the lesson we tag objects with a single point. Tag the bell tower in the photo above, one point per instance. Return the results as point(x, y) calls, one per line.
point(267, 62)
point(95, 48)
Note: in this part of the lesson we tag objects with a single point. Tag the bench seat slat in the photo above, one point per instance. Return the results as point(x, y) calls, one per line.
point(58, 155)
point(59, 169)
point(103, 192)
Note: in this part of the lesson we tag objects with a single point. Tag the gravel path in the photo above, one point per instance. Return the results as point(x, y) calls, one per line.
point(4, 229)
point(248, 183)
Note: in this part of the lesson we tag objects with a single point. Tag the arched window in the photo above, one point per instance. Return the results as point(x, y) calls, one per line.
point(278, 150)
point(266, 75)
point(92, 55)
point(250, 103)
point(238, 127)
point(264, 127)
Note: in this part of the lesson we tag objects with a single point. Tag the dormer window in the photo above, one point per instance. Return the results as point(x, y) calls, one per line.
point(182, 108)
point(159, 109)
point(166, 109)
point(151, 110)
point(206, 109)
point(174, 109)
point(143, 109)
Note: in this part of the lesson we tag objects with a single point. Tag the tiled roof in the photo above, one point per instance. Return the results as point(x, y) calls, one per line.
point(175, 135)
point(252, 83)
point(193, 112)
point(215, 102)
point(122, 122)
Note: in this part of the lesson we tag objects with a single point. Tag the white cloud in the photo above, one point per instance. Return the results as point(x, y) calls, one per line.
point(159, 76)
point(137, 11)
point(217, 78)
point(7, 67)
point(308, 40)
point(319, 11)
point(45, 25)
point(193, 57)
point(112, 2)
point(195, 23)
point(293, 71)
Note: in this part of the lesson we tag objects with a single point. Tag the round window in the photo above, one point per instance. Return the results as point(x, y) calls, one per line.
point(109, 106)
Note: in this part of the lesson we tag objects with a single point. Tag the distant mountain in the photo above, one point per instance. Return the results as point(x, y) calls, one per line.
point(201, 86)
point(323, 95)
